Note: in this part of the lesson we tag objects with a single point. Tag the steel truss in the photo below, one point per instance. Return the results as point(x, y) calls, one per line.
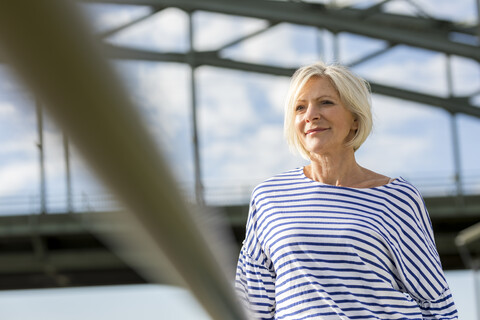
point(422, 31)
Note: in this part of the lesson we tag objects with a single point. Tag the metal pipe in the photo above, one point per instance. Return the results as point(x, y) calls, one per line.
point(455, 138)
point(68, 176)
point(478, 21)
point(457, 161)
point(468, 236)
point(199, 195)
point(336, 48)
point(41, 158)
point(84, 96)
point(320, 44)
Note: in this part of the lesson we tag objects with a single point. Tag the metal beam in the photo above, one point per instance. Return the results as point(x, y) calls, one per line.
point(374, 9)
point(111, 32)
point(48, 45)
point(73, 259)
point(371, 56)
point(468, 236)
point(413, 31)
point(199, 192)
point(41, 158)
point(248, 36)
point(451, 104)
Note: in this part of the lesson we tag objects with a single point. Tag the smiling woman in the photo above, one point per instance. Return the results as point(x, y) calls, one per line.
point(322, 121)
point(334, 240)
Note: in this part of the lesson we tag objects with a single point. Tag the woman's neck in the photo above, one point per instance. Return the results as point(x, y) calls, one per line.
point(339, 169)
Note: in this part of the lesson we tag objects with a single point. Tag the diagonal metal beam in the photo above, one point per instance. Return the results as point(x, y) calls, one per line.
point(371, 55)
point(248, 36)
point(374, 9)
point(419, 9)
point(413, 31)
point(108, 33)
point(452, 105)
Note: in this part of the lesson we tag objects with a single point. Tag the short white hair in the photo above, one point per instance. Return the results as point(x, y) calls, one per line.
point(354, 92)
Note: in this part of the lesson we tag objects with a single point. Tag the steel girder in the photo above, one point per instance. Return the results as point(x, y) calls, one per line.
point(420, 32)
point(451, 104)
point(426, 33)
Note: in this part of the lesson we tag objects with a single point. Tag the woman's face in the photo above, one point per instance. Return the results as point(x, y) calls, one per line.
point(322, 122)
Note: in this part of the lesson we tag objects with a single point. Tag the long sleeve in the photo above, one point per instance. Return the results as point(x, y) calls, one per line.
point(423, 277)
point(255, 278)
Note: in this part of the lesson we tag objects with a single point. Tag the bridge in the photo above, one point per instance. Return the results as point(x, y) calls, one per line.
point(64, 69)
point(62, 249)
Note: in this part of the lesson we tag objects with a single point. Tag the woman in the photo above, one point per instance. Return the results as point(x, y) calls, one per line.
point(333, 240)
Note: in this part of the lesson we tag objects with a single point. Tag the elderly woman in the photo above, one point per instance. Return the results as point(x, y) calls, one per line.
point(333, 240)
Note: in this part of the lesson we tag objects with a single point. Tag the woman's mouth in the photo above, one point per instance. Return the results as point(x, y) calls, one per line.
point(315, 130)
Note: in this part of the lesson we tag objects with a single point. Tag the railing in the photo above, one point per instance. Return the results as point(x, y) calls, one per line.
point(217, 193)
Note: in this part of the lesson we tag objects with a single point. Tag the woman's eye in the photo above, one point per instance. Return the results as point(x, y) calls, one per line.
point(327, 102)
point(298, 108)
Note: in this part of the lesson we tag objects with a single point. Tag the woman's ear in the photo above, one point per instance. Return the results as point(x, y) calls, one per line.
point(355, 124)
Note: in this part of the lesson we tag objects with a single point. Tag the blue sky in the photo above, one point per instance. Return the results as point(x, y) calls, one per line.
point(240, 127)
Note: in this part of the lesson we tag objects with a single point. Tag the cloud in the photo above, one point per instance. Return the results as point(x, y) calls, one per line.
point(17, 176)
point(466, 76)
point(412, 69)
point(225, 106)
point(268, 154)
point(461, 11)
point(469, 131)
point(213, 30)
point(251, 157)
point(283, 45)
point(408, 139)
point(21, 146)
point(161, 91)
point(6, 109)
point(355, 47)
point(164, 31)
point(241, 125)
point(104, 16)
point(395, 113)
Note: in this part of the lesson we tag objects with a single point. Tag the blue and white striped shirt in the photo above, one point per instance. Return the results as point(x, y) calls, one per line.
point(316, 251)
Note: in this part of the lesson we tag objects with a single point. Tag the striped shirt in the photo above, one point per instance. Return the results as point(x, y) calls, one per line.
point(316, 251)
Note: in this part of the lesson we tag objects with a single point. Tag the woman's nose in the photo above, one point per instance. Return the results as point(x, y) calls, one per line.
point(312, 113)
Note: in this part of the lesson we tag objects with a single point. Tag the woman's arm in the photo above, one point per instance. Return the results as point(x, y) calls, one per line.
point(255, 279)
point(426, 281)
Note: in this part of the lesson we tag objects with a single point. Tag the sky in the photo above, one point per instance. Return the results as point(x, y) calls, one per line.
point(148, 302)
point(240, 120)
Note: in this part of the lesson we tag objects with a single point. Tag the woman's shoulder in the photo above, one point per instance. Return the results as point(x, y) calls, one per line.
point(291, 174)
point(280, 181)
point(373, 179)
point(400, 187)
point(397, 187)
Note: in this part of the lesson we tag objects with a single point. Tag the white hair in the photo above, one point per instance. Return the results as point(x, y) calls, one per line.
point(354, 92)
